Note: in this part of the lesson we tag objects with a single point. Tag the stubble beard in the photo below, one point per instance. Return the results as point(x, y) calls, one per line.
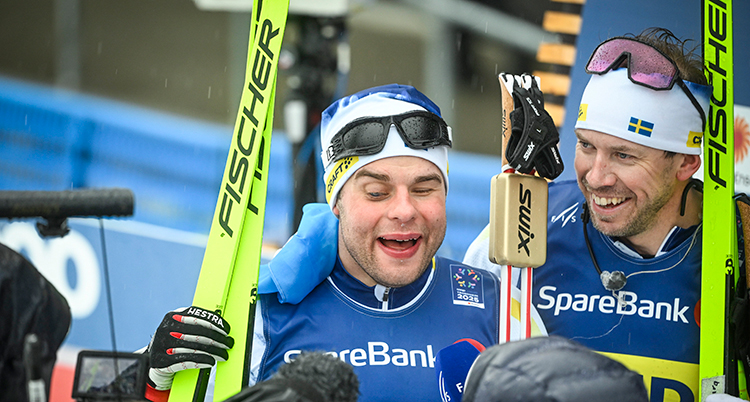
point(364, 256)
point(644, 219)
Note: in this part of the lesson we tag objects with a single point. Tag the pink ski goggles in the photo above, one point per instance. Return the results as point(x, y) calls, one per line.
point(647, 66)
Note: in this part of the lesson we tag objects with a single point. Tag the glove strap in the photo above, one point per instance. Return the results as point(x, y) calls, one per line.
point(160, 381)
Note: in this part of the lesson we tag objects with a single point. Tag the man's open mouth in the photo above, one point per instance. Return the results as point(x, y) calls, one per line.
point(607, 202)
point(399, 244)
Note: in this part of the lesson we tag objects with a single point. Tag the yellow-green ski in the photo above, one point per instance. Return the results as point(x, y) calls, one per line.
point(717, 370)
point(229, 273)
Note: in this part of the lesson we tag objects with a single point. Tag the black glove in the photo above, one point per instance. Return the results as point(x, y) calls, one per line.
point(189, 337)
point(534, 137)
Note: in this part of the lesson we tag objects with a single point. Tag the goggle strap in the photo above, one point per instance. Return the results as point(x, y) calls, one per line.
point(333, 149)
point(694, 101)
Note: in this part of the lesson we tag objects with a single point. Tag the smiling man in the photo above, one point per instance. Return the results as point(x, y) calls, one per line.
point(634, 192)
point(624, 239)
point(392, 220)
point(389, 304)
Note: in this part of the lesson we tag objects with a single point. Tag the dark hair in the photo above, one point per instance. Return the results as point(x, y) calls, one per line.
point(688, 59)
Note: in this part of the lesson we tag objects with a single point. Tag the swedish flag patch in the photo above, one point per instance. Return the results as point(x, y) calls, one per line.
point(641, 127)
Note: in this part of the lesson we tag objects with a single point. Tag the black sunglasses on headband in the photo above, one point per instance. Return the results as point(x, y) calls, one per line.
point(368, 135)
point(647, 66)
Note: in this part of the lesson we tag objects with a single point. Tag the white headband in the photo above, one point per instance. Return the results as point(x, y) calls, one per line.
point(371, 105)
point(664, 120)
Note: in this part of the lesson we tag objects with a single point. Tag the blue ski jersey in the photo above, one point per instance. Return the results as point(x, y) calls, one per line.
point(650, 325)
point(391, 344)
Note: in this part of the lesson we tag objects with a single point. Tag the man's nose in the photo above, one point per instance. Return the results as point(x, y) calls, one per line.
point(403, 206)
point(600, 173)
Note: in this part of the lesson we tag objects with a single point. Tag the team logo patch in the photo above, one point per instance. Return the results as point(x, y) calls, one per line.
point(641, 127)
point(694, 139)
point(467, 284)
point(582, 111)
point(341, 167)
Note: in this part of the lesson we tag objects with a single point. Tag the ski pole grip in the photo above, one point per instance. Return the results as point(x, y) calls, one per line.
point(518, 220)
point(67, 203)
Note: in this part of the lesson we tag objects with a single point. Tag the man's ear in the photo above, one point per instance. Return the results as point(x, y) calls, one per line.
point(335, 208)
point(336, 205)
point(688, 166)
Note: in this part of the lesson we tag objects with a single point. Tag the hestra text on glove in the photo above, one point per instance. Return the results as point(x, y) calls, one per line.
point(187, 338)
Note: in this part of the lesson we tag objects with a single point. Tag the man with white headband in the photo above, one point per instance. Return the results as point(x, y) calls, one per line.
point(622, 275)
point(389, 304)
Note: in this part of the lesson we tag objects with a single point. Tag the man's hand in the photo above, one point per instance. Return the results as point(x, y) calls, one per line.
point(189, 337)
point(534, 137)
